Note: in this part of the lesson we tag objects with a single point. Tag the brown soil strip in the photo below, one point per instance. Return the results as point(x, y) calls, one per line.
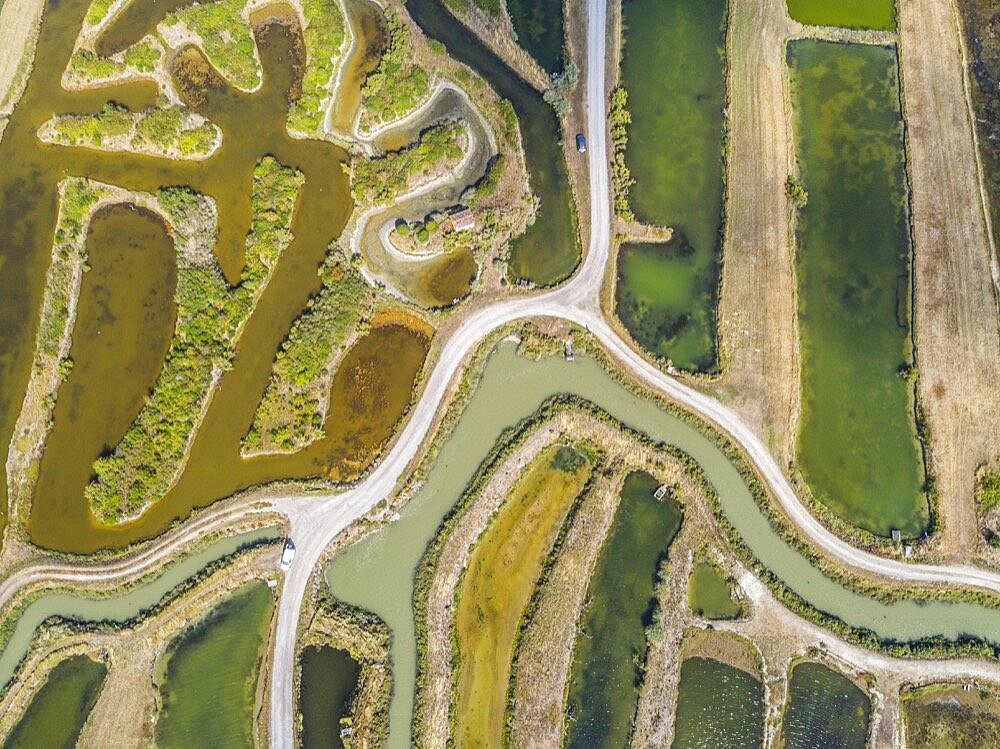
point(757, 314)
point(956, 324)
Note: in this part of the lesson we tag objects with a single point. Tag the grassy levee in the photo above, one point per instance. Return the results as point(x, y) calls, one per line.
point(666, 295)
point(824, 708)
point(853, 14)
point(57, 713)
point(857, 442)
point(209, 679)
point(611, 633)
point(539, 27)
point(718, 705)
point(498, 584)
point(710, 592)
point(943, 716)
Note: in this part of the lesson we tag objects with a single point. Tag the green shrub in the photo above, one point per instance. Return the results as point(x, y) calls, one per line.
point(142, 56)
point(210, 317)
point(621, 178)
point(988, 491)
point(294, 404)
point(87, 64)
point(378, 181)
point(324, 36)
point(396, 85)
point(796, 192)
point(226, 39)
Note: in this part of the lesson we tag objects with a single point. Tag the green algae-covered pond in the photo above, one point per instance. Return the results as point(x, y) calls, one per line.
point(824, 709)
point(718, 705)
point(857, 445)
point(376, 573)
point(58, 712)
point(549, 250)
point(611, 636)
point(710, 592)
point(855, 14)
point(209, 679)
point(539, 28)
point(674, 71)
point(329, 678)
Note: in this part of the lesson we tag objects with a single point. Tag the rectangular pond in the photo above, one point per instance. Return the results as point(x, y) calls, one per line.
point(854, 14)
point(329, 679)
point(857, 442)
point(673, 67)
point(611, 634)
point(824, 708)
point(718, 705)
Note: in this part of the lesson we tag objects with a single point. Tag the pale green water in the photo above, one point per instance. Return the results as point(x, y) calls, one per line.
point(377, 573)
point(117, 608)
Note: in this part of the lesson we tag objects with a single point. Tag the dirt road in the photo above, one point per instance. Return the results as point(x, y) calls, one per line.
point(956, 325)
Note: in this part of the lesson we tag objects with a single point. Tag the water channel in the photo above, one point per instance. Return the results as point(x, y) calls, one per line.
point(377, 572)
point(549, 250)
point(117, 608)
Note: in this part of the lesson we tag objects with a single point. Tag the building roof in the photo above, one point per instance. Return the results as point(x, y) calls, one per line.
point(463, 220)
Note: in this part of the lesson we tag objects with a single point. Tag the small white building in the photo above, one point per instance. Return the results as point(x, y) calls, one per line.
point(463, 220)
point(287, 555)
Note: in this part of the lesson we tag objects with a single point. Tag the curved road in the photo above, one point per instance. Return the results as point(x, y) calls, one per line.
point(315, 524)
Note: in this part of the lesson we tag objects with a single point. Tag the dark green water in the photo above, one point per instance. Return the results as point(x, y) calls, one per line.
point(824, 709)
point(611, 640)
point(329, 678)
point(210, 679)
point(549, 250)
point(718, 706)
point(857, 443)
point(58, 712)
point(539, 26)
point(855, 14)
point(674, 71)
point(710, 593)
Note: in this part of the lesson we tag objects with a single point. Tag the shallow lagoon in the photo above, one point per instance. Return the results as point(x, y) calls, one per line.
point(611, 634)
point(824, 709)
point(57, 713)
point(673, 69)
point(209, 679)
point(857, 444)
point(718, 705)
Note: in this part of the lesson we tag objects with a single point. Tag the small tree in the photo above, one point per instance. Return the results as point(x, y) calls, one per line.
point(796, 192)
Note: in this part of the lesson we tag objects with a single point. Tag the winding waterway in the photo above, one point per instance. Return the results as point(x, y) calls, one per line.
point(119, 608)
point(377, 572)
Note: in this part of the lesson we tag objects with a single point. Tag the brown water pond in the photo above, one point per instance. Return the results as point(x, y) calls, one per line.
point(253, 125)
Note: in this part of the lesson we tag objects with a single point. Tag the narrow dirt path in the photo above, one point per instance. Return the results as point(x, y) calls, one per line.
point(956, 325)
point(757, 316)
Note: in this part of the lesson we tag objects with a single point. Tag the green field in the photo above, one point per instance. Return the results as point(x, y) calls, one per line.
point(674, 72)
point(209, 679)
point(855, 14)
point(502, 572)
point(857, 445)
point(611, 639)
